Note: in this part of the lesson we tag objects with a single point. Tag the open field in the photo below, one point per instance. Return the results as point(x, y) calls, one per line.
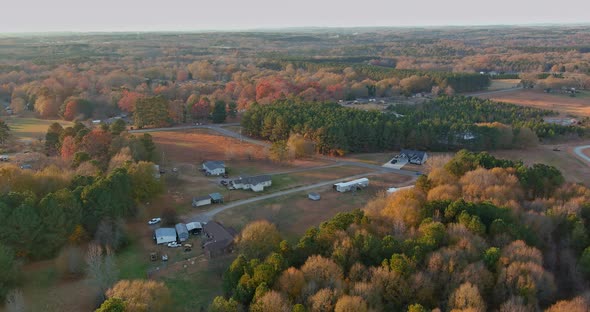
point(501, 84)
point(562, 103)
point(295, 213)
point(31, 128)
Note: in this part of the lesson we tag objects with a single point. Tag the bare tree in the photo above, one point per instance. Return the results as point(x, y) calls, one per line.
point(102, 270)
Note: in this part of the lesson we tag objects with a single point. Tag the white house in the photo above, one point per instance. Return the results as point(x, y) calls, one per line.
point(351, 185)
point(256, 183)
point(214, 168)
point(165, 235)
point(201, 201)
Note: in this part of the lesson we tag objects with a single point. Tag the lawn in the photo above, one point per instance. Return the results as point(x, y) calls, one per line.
point(31, 128)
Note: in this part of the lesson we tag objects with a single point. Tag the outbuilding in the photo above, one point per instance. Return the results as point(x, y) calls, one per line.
point(181, 232)
point(216, 198)
point(194, 228)
point(351, 185)
point(314, 196)
point(214, 167)
point(164, 235)
point(201, 201)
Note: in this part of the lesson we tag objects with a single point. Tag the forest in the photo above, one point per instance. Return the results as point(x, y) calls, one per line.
point(447, 123)
point(86, 194)
point(83, 76)
point(476, 234)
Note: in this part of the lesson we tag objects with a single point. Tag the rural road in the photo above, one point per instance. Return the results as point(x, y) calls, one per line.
point(579, 152)
point(206, 216)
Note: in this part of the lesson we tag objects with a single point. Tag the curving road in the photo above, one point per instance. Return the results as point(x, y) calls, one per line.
point(579, 152)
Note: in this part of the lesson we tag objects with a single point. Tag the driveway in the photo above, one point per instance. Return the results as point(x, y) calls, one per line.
point(579, 152)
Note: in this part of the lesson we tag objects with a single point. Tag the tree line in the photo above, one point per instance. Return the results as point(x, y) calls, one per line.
point(477, 234)
point(447, 123)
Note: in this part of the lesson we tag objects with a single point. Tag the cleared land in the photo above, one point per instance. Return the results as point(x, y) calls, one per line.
point(31, 128)
point(501, 84)
point(295, 213)
point(562, 103)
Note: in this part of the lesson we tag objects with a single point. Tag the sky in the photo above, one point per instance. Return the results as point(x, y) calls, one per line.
point(195, 15)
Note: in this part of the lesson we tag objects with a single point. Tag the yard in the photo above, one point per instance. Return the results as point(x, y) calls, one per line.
point(295, 213)
point(31, 128)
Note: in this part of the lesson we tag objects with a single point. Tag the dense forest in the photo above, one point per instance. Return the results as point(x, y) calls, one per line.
point(86, 194)
point(81, 76)
point(447, 123)
point(476, 234)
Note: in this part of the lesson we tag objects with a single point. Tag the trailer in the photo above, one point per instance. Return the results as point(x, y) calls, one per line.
point(351, 185)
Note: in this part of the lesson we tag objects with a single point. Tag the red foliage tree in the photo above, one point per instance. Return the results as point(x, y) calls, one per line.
point(201, 109)
point(72, 109)
point(96, 144)
point(68, 148)
point(127, 101)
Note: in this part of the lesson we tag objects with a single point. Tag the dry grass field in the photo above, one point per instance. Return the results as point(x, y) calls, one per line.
point(31, 128)
point(500, 84)
point(564, 104)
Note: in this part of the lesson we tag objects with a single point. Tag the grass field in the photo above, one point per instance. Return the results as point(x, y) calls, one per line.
point(31, 128)
point(295, 213)
point(562, 103)
point(500, 84)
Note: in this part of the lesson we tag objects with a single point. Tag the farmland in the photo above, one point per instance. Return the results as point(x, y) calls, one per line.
point(564, 104)
point(31, 129)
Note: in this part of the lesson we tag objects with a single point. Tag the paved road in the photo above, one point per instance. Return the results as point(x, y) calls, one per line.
point(579, 151)
point(208, 215)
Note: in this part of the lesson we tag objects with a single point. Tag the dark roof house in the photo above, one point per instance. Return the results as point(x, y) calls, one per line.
point(413, 156)
point(219, 239)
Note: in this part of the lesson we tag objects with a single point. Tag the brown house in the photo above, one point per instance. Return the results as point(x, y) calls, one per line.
point(219, 240)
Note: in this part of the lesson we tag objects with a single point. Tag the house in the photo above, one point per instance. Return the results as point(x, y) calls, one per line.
point(314, 196)
point(218, 239)
point(194, 228)
point(256, 183)
point(201, 201)
point(351, 185)
point(165, 235)
point(414, 157)
point(216, 198)
point(214, 168)
point(181, 231)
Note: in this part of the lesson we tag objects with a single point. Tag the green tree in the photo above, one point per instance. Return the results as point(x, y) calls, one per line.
point(10, 271)
point(491, 257)
point(219, 112)
point(584, 262)
point(220, 304)
point(4, 132)
point(149, 146)
point(279, 151)
point(52, 138)
point(118, 126)
point(232, 109)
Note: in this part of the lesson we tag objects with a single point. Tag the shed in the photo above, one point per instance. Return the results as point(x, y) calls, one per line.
point(181, 231)
point(164, 235)
point(216, 198)
point(194, 227)
point(201, 201)
point(314, 196)
point(214, 167)
point(351, 185)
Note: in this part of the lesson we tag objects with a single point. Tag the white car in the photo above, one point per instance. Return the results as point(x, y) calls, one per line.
point(154, 221)
point(174, 245)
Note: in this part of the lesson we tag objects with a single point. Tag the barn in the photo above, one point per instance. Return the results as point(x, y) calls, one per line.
point(214, 167)
point(201, 201)
point(181, 231)
point(194, 227)
point(351, 185)
point(164, 235)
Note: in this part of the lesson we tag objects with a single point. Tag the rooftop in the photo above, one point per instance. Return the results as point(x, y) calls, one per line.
point(165, 232)
point(214, 164)
point(253, 180)
point(216, 196)
point(217, 232)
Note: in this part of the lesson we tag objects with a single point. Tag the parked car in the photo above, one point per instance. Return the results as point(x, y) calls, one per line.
point(188, 247)
point(3, 158)
point(224, 182)
point(174, 245)
point(556, 149)
point(153, 256)
point(154, 221)
point(164, 257)
point(225, 175)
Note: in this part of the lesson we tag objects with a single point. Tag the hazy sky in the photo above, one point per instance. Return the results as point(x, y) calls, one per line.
point(149, 15)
